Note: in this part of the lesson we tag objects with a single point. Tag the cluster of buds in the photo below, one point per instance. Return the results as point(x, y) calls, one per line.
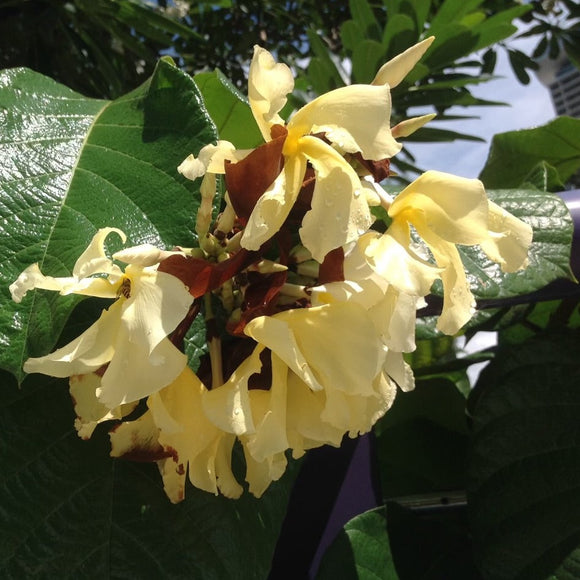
point(308, 310)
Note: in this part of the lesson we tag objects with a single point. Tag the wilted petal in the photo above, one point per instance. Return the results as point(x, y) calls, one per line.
point(509, 239)
point(394, 71)
point(268, 84)
point(89, 410)
point(356, 118)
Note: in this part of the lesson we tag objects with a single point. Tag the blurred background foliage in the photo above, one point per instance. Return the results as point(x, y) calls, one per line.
point(105, 48)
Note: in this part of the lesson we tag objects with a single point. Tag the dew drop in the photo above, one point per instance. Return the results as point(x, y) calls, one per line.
point(356, 193)
point(237, 411)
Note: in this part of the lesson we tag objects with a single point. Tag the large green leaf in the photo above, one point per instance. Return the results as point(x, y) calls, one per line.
point(70, 165)
point(69, 511)
point(525, 451)
point(513, 155)
point(421, 441)
point(360, 551)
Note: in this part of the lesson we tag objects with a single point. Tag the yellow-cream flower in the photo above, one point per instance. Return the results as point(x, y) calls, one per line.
point(353, 119)
point(446, 210)
point(129, 341)
point(177, 434)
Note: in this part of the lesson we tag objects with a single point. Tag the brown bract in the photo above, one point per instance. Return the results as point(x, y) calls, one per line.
point(332, 268)
point(248, 179)
point(201, 276)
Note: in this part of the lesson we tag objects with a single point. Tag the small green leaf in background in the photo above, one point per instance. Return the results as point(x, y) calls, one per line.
point(70, 165)
point(513, 155)
point(360, 551)
point(524, 462)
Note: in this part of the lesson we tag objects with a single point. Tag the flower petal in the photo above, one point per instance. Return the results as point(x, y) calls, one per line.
point(273, 207)
point(454, 208)
point(394, 71)
point(228, 406)
point(340, 213)
point(136, 372)
point(211, 159)
point(268, 84)
point(356, 118)
point(509, 239)
point(158, 302)
point(94, 260)
point(86, 353)
point(198, 446)
point(89, 410)
point(409, 126)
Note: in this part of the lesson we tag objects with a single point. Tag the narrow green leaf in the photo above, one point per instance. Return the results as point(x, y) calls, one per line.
point(360, 551)
point(523, 473)
point(362, 14)
point(367, 58)
point(400, 33)
point(70, 165)
point(229, 110)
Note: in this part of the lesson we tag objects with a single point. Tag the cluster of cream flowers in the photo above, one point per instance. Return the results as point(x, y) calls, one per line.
point(319, 306)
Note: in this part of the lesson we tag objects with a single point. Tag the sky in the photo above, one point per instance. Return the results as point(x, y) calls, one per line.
point(531, 106)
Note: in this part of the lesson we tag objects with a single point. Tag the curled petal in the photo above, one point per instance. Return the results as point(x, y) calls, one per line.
point(211, 159)
point(454, 208)
point(144, 256)
point(394, 71)
point(268, 84)
point(356, 118)
point(92, 261)
point(509, 239)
